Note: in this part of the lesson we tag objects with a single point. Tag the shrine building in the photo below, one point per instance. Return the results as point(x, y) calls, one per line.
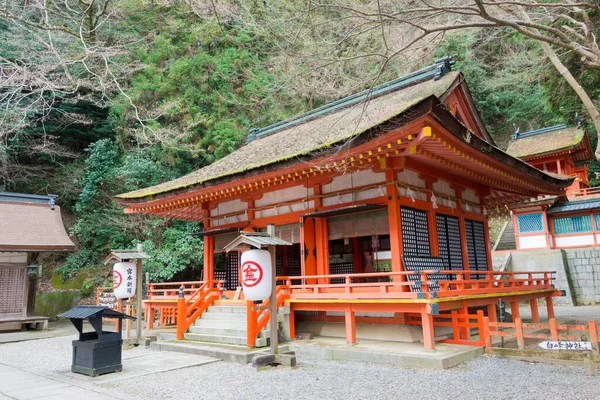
point(551, 222)
point(384, 196)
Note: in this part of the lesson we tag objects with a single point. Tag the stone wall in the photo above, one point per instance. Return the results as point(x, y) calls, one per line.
point(577, 271)
point(584, 268)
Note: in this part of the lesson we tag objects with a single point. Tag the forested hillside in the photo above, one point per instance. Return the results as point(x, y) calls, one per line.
point(101, 97)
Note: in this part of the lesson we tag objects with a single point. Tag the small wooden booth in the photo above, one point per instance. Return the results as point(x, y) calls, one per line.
point(29, 225)
point(384, 196)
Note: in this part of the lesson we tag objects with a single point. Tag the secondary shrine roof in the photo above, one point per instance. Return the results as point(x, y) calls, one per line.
point(31, 223)
point(549, 140)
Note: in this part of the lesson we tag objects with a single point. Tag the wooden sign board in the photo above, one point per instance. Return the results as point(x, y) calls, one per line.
point(566, 345)
point(238, 291)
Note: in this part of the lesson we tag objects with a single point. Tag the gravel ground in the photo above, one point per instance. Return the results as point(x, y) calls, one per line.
point(483, 378)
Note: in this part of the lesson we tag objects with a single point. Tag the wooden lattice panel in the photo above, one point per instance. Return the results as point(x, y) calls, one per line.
point(12, 290)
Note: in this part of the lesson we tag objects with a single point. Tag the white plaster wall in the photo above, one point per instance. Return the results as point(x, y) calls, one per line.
point(232, 219)
point(469, 195)
point(281, 210)
point(228, 207)
point(532, 242)
point(571, 241)
point(411, 177)
point(284, 195)
point(356, 179)
point(14, 257)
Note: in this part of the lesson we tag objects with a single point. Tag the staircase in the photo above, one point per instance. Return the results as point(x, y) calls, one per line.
point(225, 322)
point(506, 238)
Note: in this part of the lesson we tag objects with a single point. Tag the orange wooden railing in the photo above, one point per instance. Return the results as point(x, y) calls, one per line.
point(491, 329)
point(397, 285)
point(170, 290)
point(585, 192)
point(257, 317)
point(189, 309)
point(461, 324)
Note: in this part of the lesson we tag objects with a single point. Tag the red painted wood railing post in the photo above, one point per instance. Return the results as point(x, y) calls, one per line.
point(181, 318)
point(519, 333)
point(593, 334)
point(455, 330)
point(487, 339)
point(553, 329)
point(481, 327)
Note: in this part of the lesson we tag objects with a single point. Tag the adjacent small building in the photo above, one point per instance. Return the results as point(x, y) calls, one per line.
point(29, 225)
point(571, 220)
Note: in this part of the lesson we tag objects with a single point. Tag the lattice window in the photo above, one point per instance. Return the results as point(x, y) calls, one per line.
point(12, 290)
point(415, 232)
point(420, 263)
point(580, 223)
point(340, 269)
point(449, 241)
point(530, 223)
point(476, 247)
point(597, 221)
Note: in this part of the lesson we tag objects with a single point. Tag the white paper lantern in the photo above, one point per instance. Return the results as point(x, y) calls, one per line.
point(124, 279)
point(256, 274)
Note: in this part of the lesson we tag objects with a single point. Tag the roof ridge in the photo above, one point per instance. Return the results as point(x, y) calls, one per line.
point(29, 198)
point(539, 131)
point(438, 69)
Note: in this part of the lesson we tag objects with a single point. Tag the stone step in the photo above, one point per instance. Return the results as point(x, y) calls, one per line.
point(225, 352)
point(224, 331)
point(237, 340)
point(226, 316)
point(226, 309)
point(219, 323)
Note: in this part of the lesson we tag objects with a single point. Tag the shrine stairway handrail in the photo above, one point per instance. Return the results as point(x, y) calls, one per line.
point(258, 317)
point(188, 310)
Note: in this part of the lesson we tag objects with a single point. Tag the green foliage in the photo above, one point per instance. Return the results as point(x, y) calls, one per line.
point(50, 304)
point(505, 74)
point(178, 251)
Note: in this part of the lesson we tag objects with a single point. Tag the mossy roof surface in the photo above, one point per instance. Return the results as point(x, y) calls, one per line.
point(543, 143)
point(311, 136)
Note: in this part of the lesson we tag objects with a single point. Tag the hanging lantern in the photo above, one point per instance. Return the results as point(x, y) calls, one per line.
point(256, 274)
point(124, 279)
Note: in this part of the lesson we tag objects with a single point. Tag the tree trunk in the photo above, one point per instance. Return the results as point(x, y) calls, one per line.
point(566, 74)
point(585, 99)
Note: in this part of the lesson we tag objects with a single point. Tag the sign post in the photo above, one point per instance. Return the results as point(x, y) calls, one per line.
point(257, 265)
point(138, 308)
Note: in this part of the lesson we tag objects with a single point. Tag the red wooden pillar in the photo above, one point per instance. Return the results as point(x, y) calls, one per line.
point(550, 307)
point(492, 315)
point(535, 315)
point(308, 252)
point(322, 246)
point(395, 225)
point(428, 331)
point(209, 258)
point(350, 325)
point(356, 257)
point(514, 310)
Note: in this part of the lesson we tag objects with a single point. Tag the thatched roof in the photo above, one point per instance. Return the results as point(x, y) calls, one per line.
point(544, 141)
point(311, 136)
